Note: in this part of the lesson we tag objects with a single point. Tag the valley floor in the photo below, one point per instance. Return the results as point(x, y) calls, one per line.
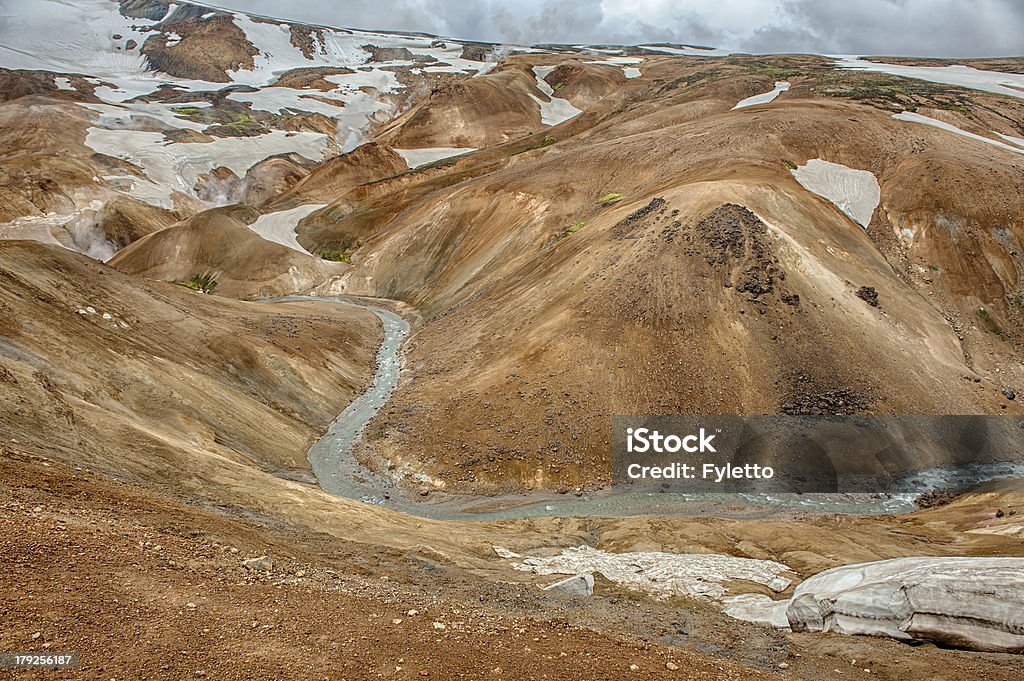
point(146, 586)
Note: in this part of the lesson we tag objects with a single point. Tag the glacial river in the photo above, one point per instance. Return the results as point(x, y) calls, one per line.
point(338, 471)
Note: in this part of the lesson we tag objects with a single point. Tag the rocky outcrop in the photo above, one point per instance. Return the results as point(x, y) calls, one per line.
point(206, 49)
point(382, 54)
point(478, 51)
point(154, 10)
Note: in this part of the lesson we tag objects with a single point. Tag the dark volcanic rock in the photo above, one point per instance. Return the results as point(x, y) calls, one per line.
point(477, 51)
point(207, 51)
point(379, 54)
point(939, 497)
point(629, 225)
point(733, 236)
point(155, 10)
point(808, 398)
point(869, 295)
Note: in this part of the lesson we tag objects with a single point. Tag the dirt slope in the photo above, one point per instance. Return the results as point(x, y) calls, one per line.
point(158, 381)
point(161, 591)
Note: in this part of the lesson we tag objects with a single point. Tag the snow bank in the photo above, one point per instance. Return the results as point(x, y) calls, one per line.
point(286, 100)
point(92, 37)
point(686, 51)
point(1018, 141)
point(925, 120)
point(176, 167)
point(855, 192)
point(88, 37)
point(121, 116)
point(556, 110)
point(764, 98)
point(280, 227)
point(974, 603)
point(662, 574)
point(1011, 84)
point(414, 158)
point(628, 65)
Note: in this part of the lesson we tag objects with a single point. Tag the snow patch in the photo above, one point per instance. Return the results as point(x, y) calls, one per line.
point(286, 100)
point(855, 192)
point(63, 83)
point(414, 158)
point(556, 110)
point(661, 574)
point(1011, 84)
point(628, 65)
point(176, 167)
point(126, 116)
point(686, 51)
point(764, 98)
point(966, 602)
point(280, 227)
point(1019, 141)
point(949, 127)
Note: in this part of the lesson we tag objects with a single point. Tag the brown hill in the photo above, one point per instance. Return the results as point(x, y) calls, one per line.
point(163, 383)
point(217, 247)
point(619, 271)
point(477, 112)
point(585, 84)
point(336, 176)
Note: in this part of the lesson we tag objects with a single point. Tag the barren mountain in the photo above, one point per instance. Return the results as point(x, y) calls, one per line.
point(568, 233)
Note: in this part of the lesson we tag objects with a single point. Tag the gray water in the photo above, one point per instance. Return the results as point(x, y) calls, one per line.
point(339, 473)
point(336, 469)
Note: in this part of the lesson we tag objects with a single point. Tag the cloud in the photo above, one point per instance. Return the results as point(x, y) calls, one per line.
point(951, 28)
point(948, 28)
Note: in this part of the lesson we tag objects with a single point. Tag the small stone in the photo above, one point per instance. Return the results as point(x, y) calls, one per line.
point(36, 636)
point(783, 665)
point(261, 564)
point(634, 667)
point(191, 606)
point(671, 666)
point(440, 626)
point(397, 620)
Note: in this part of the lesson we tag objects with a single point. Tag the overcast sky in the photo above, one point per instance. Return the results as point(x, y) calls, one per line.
point(952, 28)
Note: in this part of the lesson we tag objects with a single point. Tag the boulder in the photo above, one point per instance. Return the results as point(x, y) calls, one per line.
point(261, 564)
